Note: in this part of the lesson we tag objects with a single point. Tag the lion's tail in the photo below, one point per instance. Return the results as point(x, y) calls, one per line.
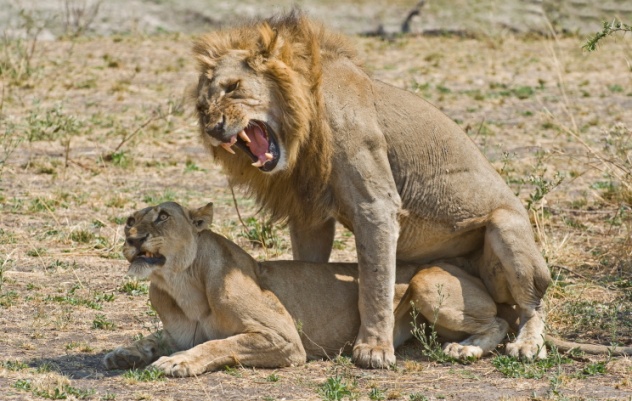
point(592, 349)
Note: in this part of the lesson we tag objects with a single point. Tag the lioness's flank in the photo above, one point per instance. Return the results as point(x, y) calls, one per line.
point(287, 110)
point(221, 307)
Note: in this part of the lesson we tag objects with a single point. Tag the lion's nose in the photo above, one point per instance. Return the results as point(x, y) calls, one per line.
point(218, 130)
point(136, 241)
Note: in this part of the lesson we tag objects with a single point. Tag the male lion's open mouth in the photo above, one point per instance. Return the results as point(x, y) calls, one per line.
point(259, 142)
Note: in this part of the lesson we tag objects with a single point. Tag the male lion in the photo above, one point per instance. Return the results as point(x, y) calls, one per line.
point(320, 141)
point(221, 307)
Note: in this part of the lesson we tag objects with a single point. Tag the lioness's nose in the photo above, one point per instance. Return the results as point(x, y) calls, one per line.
point(136, 241)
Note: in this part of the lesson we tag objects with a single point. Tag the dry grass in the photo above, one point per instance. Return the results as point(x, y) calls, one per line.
point(98, 129)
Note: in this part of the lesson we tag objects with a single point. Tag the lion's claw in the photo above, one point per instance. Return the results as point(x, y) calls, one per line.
point(462, 352)
point(123, 358)
point(373, 357)
point(527, 349)
point(178, 365)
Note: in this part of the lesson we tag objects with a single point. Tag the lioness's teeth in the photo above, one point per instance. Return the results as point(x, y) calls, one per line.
point(258, 163)
point(243, 136)
point(269, 156)
point(227, 147)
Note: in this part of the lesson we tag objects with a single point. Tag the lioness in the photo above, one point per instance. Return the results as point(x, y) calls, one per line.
point(221, 307)
point(320, 141)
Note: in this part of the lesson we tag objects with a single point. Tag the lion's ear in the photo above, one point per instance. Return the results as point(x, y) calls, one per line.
point(271, 42)
point(203, 217)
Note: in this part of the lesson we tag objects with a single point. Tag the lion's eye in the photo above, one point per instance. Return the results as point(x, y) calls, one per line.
point(232, 87)
point(162, 216)
point(130, 221)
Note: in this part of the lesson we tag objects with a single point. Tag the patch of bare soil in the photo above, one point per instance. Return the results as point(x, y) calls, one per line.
point(95, 129)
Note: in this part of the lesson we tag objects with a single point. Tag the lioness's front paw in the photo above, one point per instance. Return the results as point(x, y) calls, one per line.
point(178, 365)
point(526, 349)
point(124, 358)
point(459, 351)
point(373, 356)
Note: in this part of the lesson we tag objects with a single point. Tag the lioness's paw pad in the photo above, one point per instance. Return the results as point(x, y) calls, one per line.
point(373, 357)
point(123, 358)
point(528, 349)
point(177, 366)
point(458, 351)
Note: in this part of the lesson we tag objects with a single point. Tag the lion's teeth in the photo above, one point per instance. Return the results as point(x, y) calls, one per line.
point(269, 156)
point(227, 147)
point(244, 136)
point(258, 163)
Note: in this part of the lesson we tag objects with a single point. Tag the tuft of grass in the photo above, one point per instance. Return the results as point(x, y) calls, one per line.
point(376, 394)
point(512, 367)
point(260, 233)
point(53, 388)
point(134, 287)
point(336, 388)
point(155, 198)
point(13, 365)
point(144, 375)
point(273, 378)
point(100, 322)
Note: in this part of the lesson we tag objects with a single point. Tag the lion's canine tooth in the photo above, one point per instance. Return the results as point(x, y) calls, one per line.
point(269, 156)
point(244, 136)
point(227, 147)
point(258, 163)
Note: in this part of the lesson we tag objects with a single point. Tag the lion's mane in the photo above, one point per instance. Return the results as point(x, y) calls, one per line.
point(289, 50)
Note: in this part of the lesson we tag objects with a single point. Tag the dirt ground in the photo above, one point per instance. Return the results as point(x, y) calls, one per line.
point(93, 129)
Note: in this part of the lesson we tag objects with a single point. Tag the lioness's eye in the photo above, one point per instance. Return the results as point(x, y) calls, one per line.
point(232, 87)
point(162, 216)
point(130, 222)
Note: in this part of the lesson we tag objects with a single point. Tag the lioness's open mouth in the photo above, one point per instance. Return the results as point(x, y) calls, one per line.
point(259, 142)
point(150, 258)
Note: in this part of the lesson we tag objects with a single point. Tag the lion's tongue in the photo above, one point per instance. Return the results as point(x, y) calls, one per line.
point(258, 143)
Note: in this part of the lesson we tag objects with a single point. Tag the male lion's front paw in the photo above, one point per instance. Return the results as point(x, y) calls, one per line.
point(179, 365)
point(124, 358)
point(526, 349)
point(373, 356)
point(463, 352)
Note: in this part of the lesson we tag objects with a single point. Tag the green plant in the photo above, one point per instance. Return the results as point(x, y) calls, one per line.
point(608, 29)
point(260, 233)
point(232, 371)
point(100, 322)
point(10, 139)
point(134, 287)
point(376, 394)
point(273, 378)
point(13, 365)
point(17, 55)
point(427, 335)
point(417, 397)
point(335, 388)
point(512, 367)
point(58, 391)
point(144, 375)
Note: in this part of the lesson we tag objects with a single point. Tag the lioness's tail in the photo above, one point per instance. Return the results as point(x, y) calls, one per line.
point(592, 349)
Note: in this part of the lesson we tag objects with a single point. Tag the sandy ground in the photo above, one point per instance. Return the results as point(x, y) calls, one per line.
point(102, 129)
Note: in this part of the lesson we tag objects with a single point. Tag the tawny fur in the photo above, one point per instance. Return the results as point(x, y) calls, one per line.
point(389, 166)
point(220, 307)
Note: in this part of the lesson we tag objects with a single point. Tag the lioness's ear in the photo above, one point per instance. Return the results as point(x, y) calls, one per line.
point(271, 42)
point(202, 217)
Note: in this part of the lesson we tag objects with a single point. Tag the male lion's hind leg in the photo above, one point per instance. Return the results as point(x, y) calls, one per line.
point(515, 272)
point(459, 307)
point(139, 354)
